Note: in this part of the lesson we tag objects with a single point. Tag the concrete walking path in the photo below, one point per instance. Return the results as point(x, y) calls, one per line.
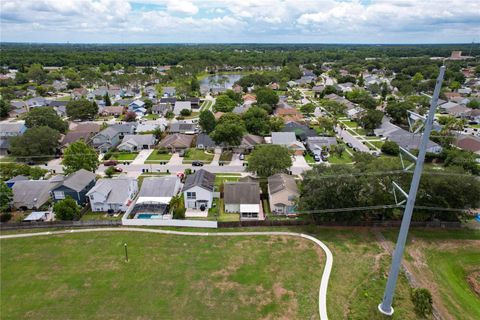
point(322, 293)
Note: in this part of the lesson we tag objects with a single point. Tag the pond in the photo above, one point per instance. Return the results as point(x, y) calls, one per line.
point(223, 80)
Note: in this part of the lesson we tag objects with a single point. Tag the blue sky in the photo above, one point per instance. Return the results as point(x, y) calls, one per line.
point(250, 21)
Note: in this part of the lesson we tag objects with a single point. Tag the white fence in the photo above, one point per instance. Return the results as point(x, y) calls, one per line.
point(170, 223)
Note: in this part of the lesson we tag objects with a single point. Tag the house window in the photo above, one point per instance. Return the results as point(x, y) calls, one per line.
point(191, 195)
point(59, 195)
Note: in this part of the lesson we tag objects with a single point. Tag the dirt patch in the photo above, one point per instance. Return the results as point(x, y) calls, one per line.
point(473, 280)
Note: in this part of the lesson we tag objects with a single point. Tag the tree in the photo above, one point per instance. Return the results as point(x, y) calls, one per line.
point(230, 133)
point(224, 103)
point(148, 105)
point(109, 172)
point(107, 100)
point(36, 73)
point(130, 116)
point(66, 209)
point(276, 124)
point(371, 120)
point(256, 121)
point(361, 81)
point(4, 109)
point(82, 109)
point(207, 121)
point(474, 104)
point(78, 156)
point(266, 96)
point(398, 111)
point(391, 148)
point(269, 159)
point(6, 196)
point(46, 116)
point(194, 85)
point(338, 150)
point(308, 108)
point(170, 115)
point(36, 143)
point(185, 112)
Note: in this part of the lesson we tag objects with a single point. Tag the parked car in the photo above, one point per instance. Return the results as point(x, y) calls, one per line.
point(349, 145)
point(242, 156)
point(316, 157)
point(109, 163)
point(117, 169)
point(197, 163)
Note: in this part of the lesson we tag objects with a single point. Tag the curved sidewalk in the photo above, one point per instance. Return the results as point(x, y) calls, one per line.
point(322, 294)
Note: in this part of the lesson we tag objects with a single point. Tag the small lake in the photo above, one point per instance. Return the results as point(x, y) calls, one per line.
point(223, 80)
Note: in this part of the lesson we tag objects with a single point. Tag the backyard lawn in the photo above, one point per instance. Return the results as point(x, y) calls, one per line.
point(85, 276)
point(155, 157)
point(124, 156)
point(99, 216)
point(345, 158)
point(196, 154)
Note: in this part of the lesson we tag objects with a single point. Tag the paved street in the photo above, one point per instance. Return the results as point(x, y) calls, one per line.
point(347, 137)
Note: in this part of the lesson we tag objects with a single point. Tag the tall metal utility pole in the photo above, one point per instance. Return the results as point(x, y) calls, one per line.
point(386, 306)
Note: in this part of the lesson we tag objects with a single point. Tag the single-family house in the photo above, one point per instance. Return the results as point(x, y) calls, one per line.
point(288, 140)
point(204, 142)
point(155, 195)
point(282, 192)
point(33, 194)
point(301, 131)
point(183, 127)
point(198, 190)
point(136, 142)
point(181, 105)
point(317, 90)
point(469, 143)
point(176, 141)
point(248, 143)
point(113, 194)
point(83, 131)
point(115, 111)
point(169, 91)
point(12, 129)
point(37, 102)
point(76, 186)
point(161, 109)
point(111, 136)
point(243, 198)
point(137, 106)
point(317, 144)
point(289, 114)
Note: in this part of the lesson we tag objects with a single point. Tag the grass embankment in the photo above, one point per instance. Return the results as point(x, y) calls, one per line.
point(85, 276)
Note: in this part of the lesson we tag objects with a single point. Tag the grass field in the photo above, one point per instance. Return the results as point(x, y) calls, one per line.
point(335, 159)
point(196, 154)
point(124, 156)
point(155, 157)
point(85, 276)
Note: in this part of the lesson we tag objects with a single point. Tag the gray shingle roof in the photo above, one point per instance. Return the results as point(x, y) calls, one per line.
point(79, 180)
point(201, 178)
point(281, 181)
point(241, 193)
point(116, 189)
point(158, 186)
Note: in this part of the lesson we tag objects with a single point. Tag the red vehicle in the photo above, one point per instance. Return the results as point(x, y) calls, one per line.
point(117, 169)
point(109, 163)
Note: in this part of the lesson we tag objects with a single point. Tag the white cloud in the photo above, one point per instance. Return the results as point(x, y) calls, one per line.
point(245, 20)
point(182, 6)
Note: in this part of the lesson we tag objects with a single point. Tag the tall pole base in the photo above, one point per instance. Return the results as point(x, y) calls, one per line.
point(385, 312)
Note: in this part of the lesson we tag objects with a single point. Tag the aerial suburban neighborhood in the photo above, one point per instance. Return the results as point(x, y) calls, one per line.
point(237, 180)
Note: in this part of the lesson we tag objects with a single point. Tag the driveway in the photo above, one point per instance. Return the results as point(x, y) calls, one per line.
point(175, 160)
point(142, 156)
point(236, 160)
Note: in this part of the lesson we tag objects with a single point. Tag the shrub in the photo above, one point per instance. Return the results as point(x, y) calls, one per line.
point(185, 112)
point(179, 213)
point(422, 300)
point(66, 209)
point(6, 216)
point(391, 148)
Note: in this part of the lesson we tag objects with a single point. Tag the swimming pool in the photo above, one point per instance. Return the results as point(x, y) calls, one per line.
point(148, 216)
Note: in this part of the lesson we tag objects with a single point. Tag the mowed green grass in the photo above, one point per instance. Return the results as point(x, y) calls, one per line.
point(85, 276)
point(451, 269)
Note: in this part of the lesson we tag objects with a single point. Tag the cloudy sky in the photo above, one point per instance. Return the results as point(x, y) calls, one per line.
point(259, 21)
